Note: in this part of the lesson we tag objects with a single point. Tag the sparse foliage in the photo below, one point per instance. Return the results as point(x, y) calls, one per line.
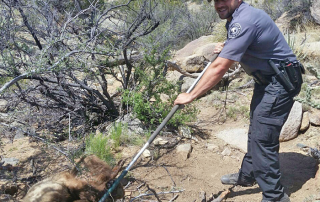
point(146, 99)
point(275, 8)
point(57, 57)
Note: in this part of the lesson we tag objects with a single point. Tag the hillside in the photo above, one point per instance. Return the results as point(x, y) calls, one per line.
point(46, 123)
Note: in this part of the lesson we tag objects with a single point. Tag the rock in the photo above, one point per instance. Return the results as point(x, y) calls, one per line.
point(4, 118)
point(212, 147)
point(188, 82)
point(184, 150)
point(160, 141)
point(195, 47)
point(135, 126)
point(315, 119)
point(305, 122)
point(195, 55)
point(3, 106)
point(146, 153)
point(193, 64)
point(315, 11)
point(20, 129)
point(11, 161)
point(291, 127)
point(19, 134)
point(237, 137)
point(185, 131)
point(174, 76)
point(226, 152)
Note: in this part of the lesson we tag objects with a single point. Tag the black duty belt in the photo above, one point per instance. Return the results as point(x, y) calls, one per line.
point(288, 73)
point(262, 79)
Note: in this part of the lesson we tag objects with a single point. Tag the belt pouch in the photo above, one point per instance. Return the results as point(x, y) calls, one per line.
point(292, 74)
point(298, 69)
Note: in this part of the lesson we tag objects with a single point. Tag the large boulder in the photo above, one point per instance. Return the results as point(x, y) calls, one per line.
point(291, 127)
point(195, 55)
point(315, 11)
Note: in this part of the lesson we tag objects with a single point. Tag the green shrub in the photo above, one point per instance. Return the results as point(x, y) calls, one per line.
point(98, 145)
point(178, 24)
point(232, 112)
point(145, 99)
point(200, 22)
point(116, 132)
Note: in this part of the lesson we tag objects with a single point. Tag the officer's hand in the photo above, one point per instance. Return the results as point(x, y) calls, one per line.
point(218, 48)
point(183, 98)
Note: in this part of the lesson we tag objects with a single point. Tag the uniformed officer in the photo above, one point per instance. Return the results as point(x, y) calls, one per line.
point(254, 40)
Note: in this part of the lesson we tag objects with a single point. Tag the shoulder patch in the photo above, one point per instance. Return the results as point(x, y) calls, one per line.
point(234, 30)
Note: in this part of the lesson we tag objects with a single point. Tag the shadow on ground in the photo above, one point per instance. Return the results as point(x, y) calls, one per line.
point(296, 170)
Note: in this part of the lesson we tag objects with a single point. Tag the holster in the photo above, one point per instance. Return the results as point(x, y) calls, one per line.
point(261, 79)
point(288, 73)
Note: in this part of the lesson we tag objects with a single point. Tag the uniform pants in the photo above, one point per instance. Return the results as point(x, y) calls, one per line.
point(269, 109)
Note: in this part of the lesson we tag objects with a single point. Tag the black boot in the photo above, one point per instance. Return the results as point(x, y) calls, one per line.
point(233, 179)
point(285, 198)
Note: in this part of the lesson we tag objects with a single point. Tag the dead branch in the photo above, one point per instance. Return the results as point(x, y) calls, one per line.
point(174, 184)
point(176, 67)
point(154, 192)
point(211, 197)
point(222, 196)
point(36, 71)
point(159, 193)
point(250, 83)
point(174, 198)
point(121, 61)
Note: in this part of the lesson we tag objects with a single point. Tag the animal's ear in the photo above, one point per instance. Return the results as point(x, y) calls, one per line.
point(116, 169)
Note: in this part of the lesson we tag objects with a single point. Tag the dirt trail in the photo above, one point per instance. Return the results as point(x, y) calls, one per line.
point(203, 169)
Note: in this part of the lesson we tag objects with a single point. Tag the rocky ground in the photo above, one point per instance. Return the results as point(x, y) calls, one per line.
point(218, 146)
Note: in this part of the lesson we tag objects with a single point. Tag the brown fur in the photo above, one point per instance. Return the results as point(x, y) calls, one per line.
point(88, 184)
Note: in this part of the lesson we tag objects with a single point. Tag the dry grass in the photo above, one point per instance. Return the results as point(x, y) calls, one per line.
point(305, 41)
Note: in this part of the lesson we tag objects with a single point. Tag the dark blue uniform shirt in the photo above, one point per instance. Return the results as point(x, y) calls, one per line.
point(253, 39)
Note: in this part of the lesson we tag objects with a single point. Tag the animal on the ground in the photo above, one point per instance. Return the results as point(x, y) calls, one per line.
point(86, 182)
